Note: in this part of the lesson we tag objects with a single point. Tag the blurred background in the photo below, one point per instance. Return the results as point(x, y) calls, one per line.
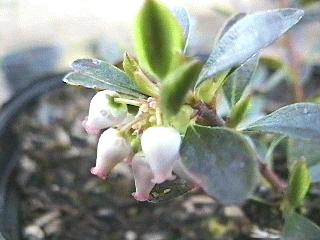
point(51, 195)
point(74, 29)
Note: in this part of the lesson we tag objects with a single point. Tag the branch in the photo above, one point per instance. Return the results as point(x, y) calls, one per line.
point(276, 182)
point(208, 116)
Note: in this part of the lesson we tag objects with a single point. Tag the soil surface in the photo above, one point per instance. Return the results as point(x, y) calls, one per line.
point(62, 200)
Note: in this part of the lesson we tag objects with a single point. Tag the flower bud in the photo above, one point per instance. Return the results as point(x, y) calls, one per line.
point(104, 112)
point(112, 149)
point(161, 147)
point(142, 178)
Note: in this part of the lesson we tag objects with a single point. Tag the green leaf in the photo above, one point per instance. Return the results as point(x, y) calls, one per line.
point(239, 112)
point(158, 38)
point(298, 227)
point(246, 38)
point(208, 90)
point(93, 73)
point(300, 120)
point(228, 24)
point(132, 68)
point(176, 86)
point(237, 81)
point(299, 184)
point(223, 162)
point(130, 65)
point(181, 120)
point(170, 189)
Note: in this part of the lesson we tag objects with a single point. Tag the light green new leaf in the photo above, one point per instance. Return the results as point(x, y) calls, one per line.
point(222, 161)
point(158, 38)
point(176, 86)
point(93, 73)
point(132, 68)
point(239, 112)
point(246, 38)
point(299, 184)
point(299, 149)
point(298, 227)
point(300, 120)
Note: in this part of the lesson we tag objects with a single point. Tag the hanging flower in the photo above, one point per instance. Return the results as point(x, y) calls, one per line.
point(112, 149)
point(142, 178)
point(104, 112)
point(161, 147)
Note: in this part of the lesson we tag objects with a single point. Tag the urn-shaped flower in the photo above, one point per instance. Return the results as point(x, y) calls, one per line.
point(161, 147)
point(104, 112)
point(112, 149)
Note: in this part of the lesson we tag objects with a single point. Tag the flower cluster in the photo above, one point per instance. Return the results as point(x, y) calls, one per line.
point(141, 140)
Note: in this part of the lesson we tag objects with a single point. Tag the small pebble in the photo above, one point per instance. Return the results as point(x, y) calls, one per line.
point(33, 232)
point(131, 235)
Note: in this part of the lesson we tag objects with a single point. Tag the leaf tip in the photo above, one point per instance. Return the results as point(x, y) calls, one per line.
point(66, 77)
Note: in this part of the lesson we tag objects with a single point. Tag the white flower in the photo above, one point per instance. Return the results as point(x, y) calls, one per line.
point(104, 113)
point(142, 178)
point(112, 149)
point(161, 147)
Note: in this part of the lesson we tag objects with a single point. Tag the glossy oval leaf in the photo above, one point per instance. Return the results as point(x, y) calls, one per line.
point(176, 86)
point(298, 227)
point(228, 24)
point(158, 38)
point(300, 120)
point(238, 80)
point(246, 38)
point(222, 161)
point(97, 74)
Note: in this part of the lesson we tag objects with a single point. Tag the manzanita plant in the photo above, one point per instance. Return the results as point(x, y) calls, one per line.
point(161, 114)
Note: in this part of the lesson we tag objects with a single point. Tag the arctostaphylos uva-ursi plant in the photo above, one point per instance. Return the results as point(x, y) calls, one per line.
point(160, 114)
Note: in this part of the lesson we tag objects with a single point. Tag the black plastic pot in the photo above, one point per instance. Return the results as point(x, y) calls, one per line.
point(26, 65)
point(21, 101)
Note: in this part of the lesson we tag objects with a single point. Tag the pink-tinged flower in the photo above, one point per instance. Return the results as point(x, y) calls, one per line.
point(112, 149)
point(104, 112)
point(142, 178)
point(161, 147)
